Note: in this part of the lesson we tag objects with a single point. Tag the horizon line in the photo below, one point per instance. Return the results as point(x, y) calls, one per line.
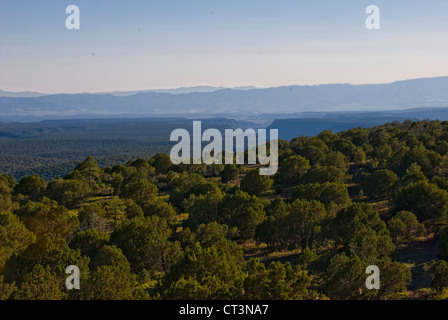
point(215, 87)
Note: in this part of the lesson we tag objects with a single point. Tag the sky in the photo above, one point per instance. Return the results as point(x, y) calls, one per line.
point(146, 44)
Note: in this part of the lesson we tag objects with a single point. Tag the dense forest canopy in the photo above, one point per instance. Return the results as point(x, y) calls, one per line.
point(152, 230)
point(53, 148)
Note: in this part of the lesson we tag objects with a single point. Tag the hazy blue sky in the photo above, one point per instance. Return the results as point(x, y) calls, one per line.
point(135, 45)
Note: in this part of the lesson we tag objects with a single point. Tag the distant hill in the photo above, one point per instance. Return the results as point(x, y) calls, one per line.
point(341, 121)
point(291, 128)
point(21, 94)
point(418, 93)
point(174, 91)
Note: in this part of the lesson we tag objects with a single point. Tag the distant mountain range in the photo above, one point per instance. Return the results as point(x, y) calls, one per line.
point(206, 101)
point(22, 94)
point(175, 91)
point(32, 94)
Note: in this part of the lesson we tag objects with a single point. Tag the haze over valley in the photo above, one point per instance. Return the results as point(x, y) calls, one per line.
point(237, 103)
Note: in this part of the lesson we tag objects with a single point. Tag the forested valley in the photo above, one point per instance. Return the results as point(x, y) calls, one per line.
point(149, 229)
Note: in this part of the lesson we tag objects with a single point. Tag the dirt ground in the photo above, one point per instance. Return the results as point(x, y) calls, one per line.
point(416, 255)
